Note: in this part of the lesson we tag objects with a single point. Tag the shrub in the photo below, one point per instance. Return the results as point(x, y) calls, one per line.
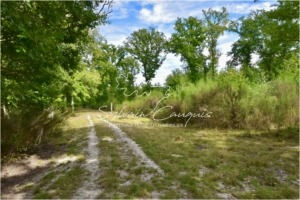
point(258, 106)
point(21, 131)
point(232, 88)
point(233, 100)
point(145, 103)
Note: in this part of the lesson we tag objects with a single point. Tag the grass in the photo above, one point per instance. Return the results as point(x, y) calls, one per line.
point(197, 163)
point(121, 172)
point(73, 134)
point(26, 186)
point(64, 187)
point(255, 165)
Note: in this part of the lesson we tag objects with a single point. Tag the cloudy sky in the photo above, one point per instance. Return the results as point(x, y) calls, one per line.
point(131, 15)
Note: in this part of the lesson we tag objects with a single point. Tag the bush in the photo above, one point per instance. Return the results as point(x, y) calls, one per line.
point(220, 98)
point(232, 100)
point(232, 87)
point(258, 106)
point(141, 104)
point(21, 131)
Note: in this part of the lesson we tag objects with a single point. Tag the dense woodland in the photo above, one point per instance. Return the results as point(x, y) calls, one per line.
point(53, 58)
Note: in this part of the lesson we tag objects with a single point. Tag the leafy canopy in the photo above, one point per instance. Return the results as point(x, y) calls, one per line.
point(148, 47)
point(187, 41)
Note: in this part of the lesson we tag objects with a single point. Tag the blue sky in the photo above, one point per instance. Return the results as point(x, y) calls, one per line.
point(130, 15)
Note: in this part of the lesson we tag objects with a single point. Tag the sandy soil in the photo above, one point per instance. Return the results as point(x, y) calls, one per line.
point(89, 188)
point(133, 146)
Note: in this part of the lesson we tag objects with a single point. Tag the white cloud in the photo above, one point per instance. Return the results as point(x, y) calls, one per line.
point(159, 14)
point(154, 12)
point(120, 10)
point(122, 14)
point(224, 45)
point(115, 34)
point(245, 8)
point(225, 37)
point(139, 79)
point(254, 58)
point(224, 48)
point(168, 12)
point(167, 29)
point(172, 62)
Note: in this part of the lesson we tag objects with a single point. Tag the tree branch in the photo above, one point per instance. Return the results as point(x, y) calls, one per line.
point(108, 4)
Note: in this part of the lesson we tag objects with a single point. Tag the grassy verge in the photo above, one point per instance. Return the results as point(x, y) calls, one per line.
point(214, 163)
point(73, 135)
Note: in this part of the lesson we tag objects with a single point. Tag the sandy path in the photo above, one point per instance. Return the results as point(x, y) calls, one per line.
point(89, 188)
point(13, 175)
point(122, 136)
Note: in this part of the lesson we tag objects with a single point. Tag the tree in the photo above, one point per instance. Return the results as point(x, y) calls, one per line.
point(148, 47)
point(103, 58)
point(38, 38)
point(113, 65)
point(216, 23)
point(176, 79)
point(187, 41)
point(128, 67)
point(41, 47)
point(272, 35)
point(84, 85)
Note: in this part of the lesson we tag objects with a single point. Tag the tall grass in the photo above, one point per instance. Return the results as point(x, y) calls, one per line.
point(232, 100)
point(22, 131)
point(142, 103)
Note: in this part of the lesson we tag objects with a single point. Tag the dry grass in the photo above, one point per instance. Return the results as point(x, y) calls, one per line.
point(197, 163)
point(209, 163)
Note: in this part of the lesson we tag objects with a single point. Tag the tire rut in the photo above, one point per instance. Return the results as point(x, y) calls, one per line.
point(133, 146)
point(89, 188)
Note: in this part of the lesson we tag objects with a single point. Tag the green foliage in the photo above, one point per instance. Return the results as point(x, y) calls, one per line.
point(216, 23)
point(176, 79)
point(259, 106)
point(233, 101)
point(265, 33)
point(273, 104)
point(187, 41)
point(232, 87)
point(143, 103)
point(41, 47)
point(85, 84)
point(51, 56)
point(39, 40)
point(117, 72)
point(147, 46)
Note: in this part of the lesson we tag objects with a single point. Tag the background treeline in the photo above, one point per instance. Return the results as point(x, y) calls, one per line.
point(53, 58)
point(262, 95)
